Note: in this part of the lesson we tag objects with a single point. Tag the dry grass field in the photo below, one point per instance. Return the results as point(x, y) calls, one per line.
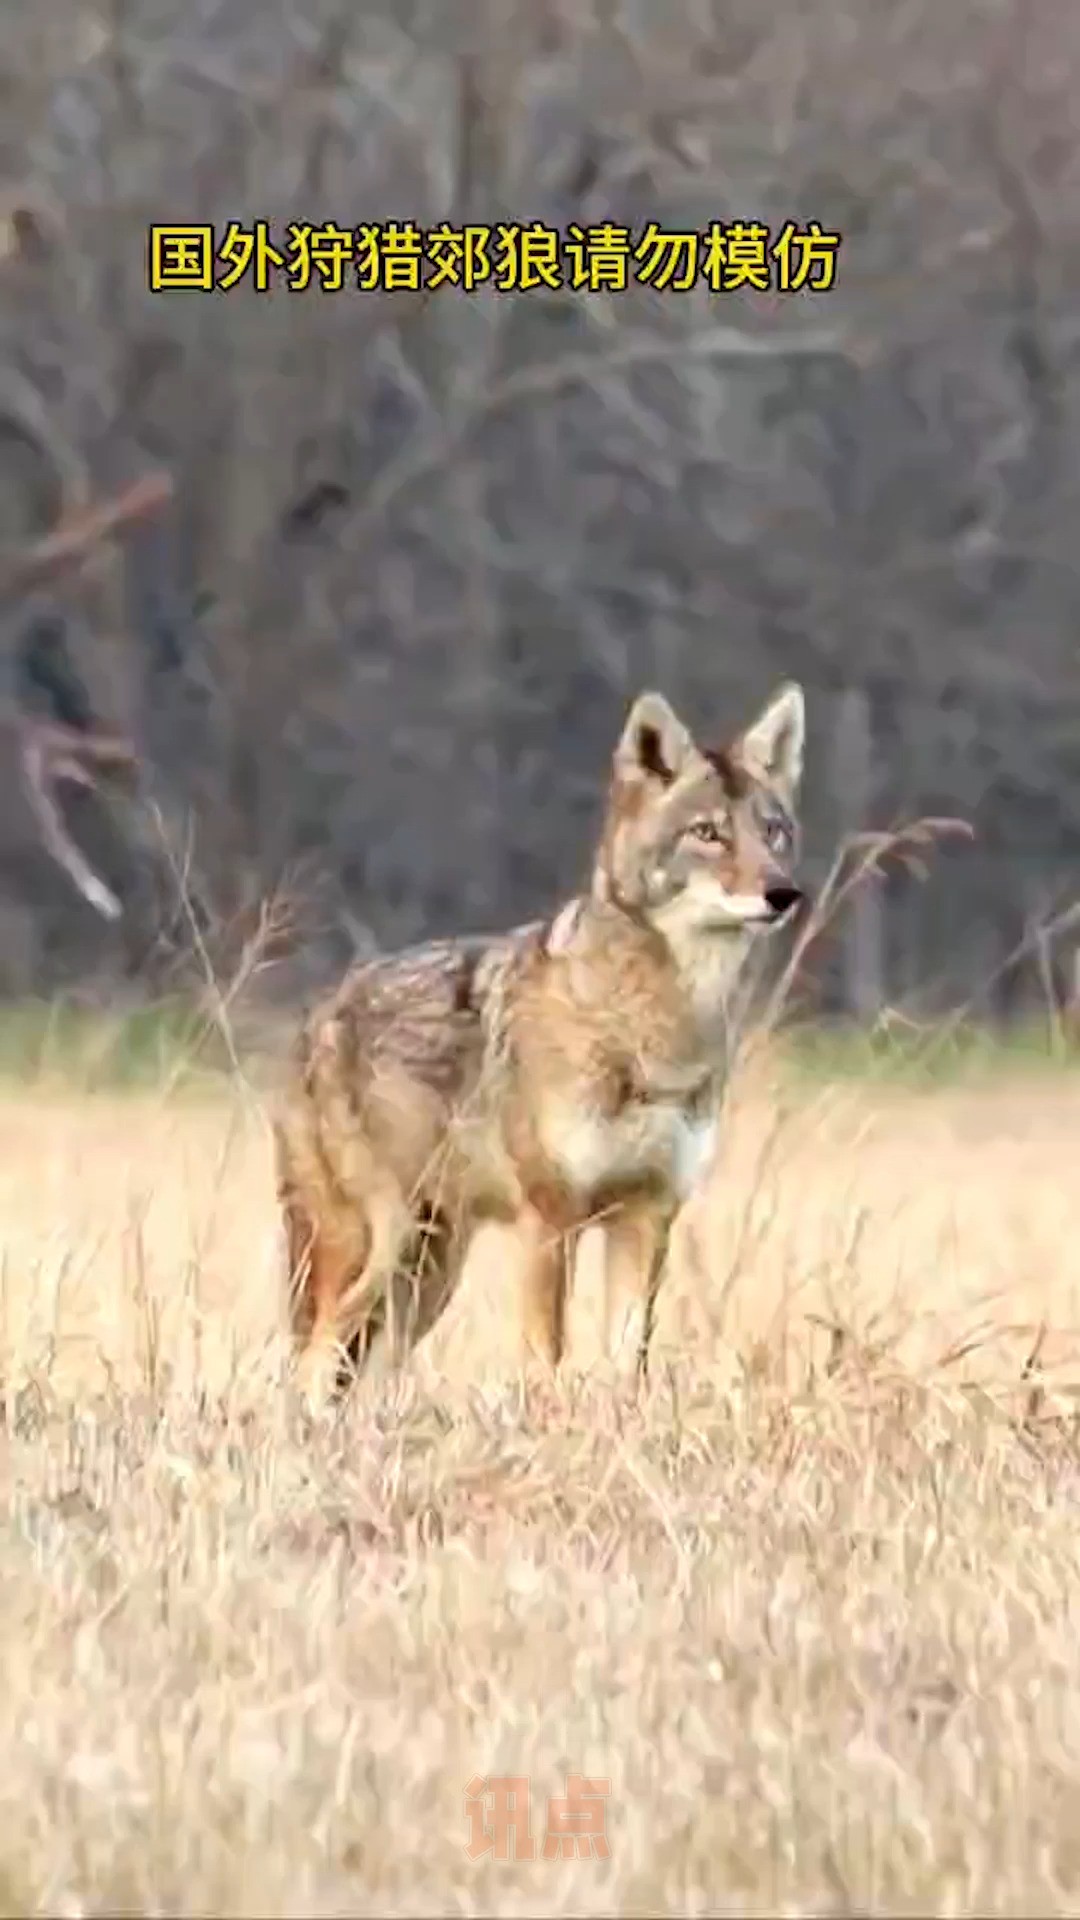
point(811, 1609)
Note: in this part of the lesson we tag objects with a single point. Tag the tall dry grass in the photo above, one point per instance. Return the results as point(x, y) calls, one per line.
point(809, 1608)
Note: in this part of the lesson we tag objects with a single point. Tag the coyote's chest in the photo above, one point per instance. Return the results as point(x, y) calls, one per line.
point(620, 1067)
point(670, 1139)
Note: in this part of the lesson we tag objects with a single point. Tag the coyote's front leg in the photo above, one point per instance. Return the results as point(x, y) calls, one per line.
point(636, 1239)
point(546, 1254)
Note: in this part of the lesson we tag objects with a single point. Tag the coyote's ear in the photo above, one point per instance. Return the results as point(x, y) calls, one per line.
point(654, 744)
point(774, 743)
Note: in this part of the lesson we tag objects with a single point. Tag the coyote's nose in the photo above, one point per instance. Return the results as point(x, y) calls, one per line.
point(781, 899)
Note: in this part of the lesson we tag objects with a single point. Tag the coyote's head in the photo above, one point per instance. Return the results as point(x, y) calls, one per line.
point(698, 841)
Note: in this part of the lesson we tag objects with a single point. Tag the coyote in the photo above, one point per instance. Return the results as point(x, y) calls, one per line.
point(561, 1074)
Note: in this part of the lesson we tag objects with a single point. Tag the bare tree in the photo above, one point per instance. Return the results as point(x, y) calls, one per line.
point(52, 751)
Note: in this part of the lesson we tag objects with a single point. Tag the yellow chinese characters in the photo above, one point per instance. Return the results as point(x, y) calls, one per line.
point(458, 257)
point(806, 258)
point(318, 256)
point(401, 256)
point(181, 259)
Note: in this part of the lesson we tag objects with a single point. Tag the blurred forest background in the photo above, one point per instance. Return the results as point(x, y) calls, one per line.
point(424, 548)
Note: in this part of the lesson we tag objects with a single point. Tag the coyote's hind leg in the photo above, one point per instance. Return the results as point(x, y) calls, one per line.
point(340, 1269)
point(420, 1289)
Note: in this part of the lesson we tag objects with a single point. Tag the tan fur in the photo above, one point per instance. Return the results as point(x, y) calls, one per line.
point(558, 1074)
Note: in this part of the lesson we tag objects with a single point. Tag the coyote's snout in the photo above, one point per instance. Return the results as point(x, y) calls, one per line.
point(564, 1072)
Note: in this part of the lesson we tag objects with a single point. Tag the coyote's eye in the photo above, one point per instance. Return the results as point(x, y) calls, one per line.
point(709, 831)
point(777, 834)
